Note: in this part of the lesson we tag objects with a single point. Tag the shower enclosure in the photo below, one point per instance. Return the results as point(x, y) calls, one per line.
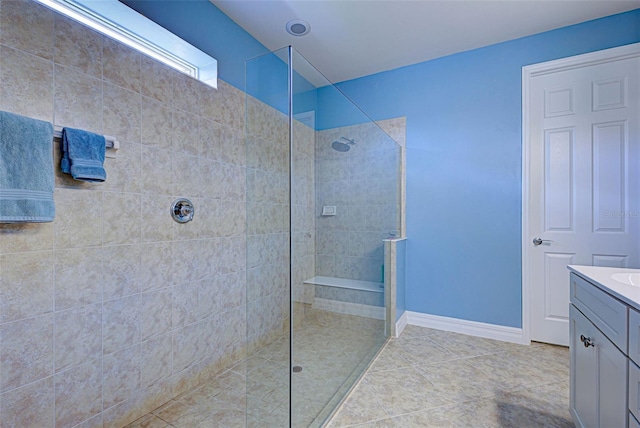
point(323, 191)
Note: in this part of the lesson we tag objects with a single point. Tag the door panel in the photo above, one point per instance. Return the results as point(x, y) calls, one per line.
point(583, 182)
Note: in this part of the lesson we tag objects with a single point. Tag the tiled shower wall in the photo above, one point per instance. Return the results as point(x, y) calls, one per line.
point(364, 184)
point(267, 223)
point(268, 220)
point(113, 308)
point(303, 221)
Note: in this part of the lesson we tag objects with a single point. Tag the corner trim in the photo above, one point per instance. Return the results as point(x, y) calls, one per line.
point(401, 324)
point(471, 328)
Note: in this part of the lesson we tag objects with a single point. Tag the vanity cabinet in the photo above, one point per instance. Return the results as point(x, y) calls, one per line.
point(599, 362)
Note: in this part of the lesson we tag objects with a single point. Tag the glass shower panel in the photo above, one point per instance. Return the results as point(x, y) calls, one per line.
point(267, 366)
point(345, 201)
point(322, 191)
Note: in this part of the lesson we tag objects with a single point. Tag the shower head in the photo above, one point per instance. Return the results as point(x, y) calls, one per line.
point(343, 144)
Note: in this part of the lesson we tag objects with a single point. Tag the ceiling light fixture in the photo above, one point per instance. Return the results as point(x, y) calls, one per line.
point(298, 27)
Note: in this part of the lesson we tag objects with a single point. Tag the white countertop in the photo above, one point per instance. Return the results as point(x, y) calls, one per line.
point(601, 277)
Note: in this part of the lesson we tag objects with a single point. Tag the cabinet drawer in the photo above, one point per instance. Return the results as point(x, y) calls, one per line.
point(634, 389)
point(634, 335)
point(607, 313)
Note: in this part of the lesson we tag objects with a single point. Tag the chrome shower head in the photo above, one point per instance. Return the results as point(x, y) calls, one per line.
point(343, 144)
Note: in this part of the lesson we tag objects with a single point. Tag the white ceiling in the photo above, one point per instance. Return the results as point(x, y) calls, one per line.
point(355, 38)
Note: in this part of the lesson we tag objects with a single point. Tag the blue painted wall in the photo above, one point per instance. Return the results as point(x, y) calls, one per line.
point(464, 165)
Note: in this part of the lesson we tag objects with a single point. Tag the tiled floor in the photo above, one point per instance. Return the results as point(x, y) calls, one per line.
point(425, 378)
point(430, 378)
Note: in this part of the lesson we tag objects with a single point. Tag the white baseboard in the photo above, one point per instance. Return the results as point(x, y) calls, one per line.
point(401, 324)
point(471, 328)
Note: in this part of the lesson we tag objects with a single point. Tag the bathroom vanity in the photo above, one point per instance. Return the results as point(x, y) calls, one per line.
point(605, 346)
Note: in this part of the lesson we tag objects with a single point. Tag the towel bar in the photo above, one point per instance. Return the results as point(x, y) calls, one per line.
point(112, 144)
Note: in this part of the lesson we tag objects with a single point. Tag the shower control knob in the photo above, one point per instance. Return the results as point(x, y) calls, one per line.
point(185, 210)
point(182, 210)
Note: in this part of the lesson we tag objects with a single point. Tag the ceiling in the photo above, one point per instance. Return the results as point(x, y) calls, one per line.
point(355, 38)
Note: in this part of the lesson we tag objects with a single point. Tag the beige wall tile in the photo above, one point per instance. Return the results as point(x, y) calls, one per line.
point(78, 100)
point(18, 238)
point(157, 224)
point(157, 80)
point(122, 111)
point(212, 177)
point(185, 302)
point(210, 138)
point(156, 124)
point(26, 84)
point(78, 393)
point(29, 406)
point(121, 65)
point(185, 170)
point(186, 93)
point(186, 347)
point(121, 372)
point(78, 336)
point(26, 285)
point(233, 147)
point(26, 352)
point(157, 266)
point(156, 308)
point(208, 215)
point(226, 105)
point(121, 322)
point(27, 26)
point(156, 171)
point(124, 173)
point(78, 218)
point(156, 361)
point(185, 133)
point(77, 46)
point(78, 277)
point(121, 218)
point(122, 270)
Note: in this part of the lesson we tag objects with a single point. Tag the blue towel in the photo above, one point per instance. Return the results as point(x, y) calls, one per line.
point(83, 155)
point(26, 170)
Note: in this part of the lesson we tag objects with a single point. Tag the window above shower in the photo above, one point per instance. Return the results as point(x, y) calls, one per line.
point(120, 22)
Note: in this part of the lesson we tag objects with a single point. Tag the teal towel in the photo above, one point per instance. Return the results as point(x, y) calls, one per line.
point(26, 170)
point(83, 155)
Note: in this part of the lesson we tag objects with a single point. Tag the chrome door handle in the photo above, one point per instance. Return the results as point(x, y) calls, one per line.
point(538, 241)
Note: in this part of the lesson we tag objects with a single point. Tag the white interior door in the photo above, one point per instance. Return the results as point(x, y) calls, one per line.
point(583, 180)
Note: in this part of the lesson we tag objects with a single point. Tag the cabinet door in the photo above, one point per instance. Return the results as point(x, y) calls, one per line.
point(612, 380)
point(598, 377)
point(583, 371)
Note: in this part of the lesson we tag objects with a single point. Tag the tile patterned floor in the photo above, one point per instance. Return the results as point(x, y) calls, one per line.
point(425, 378)
point(431, 378)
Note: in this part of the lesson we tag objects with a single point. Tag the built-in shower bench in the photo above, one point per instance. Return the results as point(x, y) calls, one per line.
point(348, 296)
